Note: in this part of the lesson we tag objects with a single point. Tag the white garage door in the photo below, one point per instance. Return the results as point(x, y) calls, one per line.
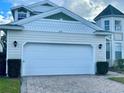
point(57, 59)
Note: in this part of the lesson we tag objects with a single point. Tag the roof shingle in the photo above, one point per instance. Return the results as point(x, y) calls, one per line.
point(109, 11)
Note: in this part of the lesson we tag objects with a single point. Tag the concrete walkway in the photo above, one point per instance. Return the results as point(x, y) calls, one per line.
point(72, 84)
point(114, 74)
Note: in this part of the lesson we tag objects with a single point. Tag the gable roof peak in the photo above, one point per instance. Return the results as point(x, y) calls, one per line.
point(43, 2)
point(55, 11)
point(109, 11)
point(110, 5)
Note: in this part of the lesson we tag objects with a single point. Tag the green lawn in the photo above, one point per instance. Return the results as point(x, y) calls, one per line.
point(9, 85)
point(118, 79)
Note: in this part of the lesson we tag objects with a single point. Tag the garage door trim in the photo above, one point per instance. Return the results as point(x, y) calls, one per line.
point(92, 45)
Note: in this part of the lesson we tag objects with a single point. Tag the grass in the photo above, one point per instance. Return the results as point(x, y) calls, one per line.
point(9, 85)
point(118, 79)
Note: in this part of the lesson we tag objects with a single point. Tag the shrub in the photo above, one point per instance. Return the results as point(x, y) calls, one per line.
point(102, 67)
point(14, 66)
point(2, 65)
point(119, 63)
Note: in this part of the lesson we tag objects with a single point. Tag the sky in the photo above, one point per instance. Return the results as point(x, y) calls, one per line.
point(87, 9)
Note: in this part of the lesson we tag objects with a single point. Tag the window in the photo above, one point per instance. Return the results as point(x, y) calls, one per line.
point(107, 25)
point(107, 50)
point(21, 15)
point(118, 51)
point(117, 25)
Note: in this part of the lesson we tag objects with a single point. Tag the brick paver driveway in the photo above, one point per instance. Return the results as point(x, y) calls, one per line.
point(70, 84)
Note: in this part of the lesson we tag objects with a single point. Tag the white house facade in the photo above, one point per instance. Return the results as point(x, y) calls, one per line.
point(112, 20)
point(51, 40)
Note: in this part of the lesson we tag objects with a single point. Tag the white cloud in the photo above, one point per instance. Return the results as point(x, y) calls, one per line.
point(85, 8)
point(3, 20)
point(26, 2)
point(6, 19)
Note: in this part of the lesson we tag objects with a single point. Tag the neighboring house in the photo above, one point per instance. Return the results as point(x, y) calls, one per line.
point(112, 20)
point(2, 58)
point(51, 40)
point(1, 45)
point(1, 48)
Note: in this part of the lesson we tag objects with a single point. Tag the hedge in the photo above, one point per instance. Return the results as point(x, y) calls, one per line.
point(2, 65)
point(102, 68)
point(14, 68)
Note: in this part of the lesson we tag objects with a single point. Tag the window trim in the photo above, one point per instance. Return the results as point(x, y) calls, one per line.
point(118, 50)
point(22, 17)
point(116, 26)
point(108, 50)
point(107, 26)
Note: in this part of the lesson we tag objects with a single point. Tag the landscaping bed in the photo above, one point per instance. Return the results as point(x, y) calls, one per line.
point(9, 85)
point(121, 71)
point(118, 66)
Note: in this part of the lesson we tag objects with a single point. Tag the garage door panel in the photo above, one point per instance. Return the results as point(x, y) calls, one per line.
point(57, 71)
point(50, 59)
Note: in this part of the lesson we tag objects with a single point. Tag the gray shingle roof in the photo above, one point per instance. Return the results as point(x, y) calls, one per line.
point(109, 11)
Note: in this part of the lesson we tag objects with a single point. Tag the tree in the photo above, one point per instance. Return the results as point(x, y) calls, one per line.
point(4, 42)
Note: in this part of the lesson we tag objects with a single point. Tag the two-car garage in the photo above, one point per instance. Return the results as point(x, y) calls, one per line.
point(46, 45)
point(57, 59)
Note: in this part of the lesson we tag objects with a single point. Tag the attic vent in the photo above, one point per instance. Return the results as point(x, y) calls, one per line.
point(46, 4)
point(60, 16)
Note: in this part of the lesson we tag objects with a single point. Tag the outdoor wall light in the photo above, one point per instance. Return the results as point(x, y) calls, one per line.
point(100, 46)
point(15, 43)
